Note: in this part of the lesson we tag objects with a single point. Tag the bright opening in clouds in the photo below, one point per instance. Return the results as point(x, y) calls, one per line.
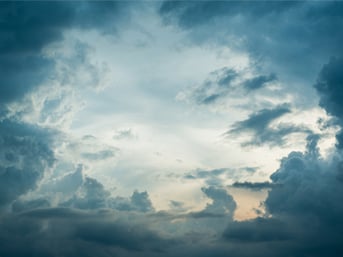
point(162, 128)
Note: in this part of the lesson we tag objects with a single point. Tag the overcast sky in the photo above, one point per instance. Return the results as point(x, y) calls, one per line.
point(198, 128)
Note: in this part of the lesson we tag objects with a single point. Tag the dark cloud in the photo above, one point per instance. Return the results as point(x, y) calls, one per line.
point(304, 212)
point(139, 201)
point(259, 124)
point(218, 85)
point(253, 185)
point(259, 81)
point(211, 177)
point(91, 194)
point(66, 232)
point(222, 203)
point(305, 208)
point(296, 47)
point(27, 27)
point(67, 185)
point(20, 205)
point(257, 230)
point(329, 87)
point(190, 14)
point(25, 155)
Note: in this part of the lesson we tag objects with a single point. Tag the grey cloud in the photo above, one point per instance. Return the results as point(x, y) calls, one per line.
point(124, 134)
point(102, 155)
point(139, 201)
point(190, 14)
point(27, 27)
point(93, 195)
point(223, 202)
point(296, 47)
point(21, 205)
point(71, 233)
point(259, 124)
point(253, 185)
point(259, 81)
point(25, 155)
point(227, 82)
point(305, 207)
point(62, 187)
point(216, 86)
point(211, 177)
point(257, 230)
point(216, 177)
point(329, 87)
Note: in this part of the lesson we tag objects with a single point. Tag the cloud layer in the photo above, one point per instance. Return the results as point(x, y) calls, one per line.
point(54, 201)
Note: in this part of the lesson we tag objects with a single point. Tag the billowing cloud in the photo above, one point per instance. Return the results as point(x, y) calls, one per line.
point(26, 154)
point(58, 191)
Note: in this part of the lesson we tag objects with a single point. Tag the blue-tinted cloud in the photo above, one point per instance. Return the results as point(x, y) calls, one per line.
point(227, 83)
point(26, 28)
point(329, 86)
point(25, 155)
point(303, 208)
point(253, 185)
point(259, 125)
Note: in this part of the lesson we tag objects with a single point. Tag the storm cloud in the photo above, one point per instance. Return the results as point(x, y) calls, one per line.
point(61, 187)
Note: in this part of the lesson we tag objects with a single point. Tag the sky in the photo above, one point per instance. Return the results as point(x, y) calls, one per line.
point(168, 128)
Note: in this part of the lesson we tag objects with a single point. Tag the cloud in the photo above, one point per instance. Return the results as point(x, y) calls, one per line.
point(303, 212)
point(222, 203)
point(330, 91)
point(259, 81)
point(257, 230)
point(194, 14)
point(219, 177)
point(27, 28)
point(92, 194)
point(226, 83)
point(139, 201)
point(81, 217)
point(20, 205)
point(124, 134)
point(102, 155)
point(25, 155)
point(71, 233)
point(259, 124)
point(253, 185)
point(260, 29)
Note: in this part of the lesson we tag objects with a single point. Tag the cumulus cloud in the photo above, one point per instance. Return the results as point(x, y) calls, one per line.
point(74, 214)
point(25, 155)
point(91, 194)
